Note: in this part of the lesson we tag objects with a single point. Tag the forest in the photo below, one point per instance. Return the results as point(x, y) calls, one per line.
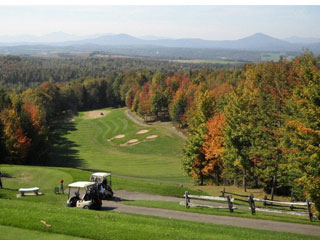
point(254, 126)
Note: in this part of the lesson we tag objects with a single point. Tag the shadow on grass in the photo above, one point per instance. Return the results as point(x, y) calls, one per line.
point(62, 151)
point(108, 208)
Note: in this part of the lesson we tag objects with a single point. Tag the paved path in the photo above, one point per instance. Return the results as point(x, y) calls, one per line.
point(225, 220)
point(140, 122)
point(134, 196)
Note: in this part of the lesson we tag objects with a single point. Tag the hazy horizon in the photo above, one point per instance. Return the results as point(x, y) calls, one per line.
point(205, 22)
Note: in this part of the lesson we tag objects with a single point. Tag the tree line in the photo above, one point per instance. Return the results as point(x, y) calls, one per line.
point(22, 72)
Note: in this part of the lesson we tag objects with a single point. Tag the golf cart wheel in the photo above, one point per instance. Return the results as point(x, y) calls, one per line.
point(73, 202)
point(108, 194)
point(86, 207)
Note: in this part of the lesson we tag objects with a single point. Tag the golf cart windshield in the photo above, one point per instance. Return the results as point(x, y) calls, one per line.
point(100, 177)
point(80, 185)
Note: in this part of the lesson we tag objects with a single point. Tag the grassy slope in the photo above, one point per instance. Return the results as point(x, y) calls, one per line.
point(46, 178)
point(110, 225)
point(158, 158)
point(26, 213)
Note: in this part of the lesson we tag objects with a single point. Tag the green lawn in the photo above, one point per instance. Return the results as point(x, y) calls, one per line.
point(110, 225)
point(90, 143)
point(21, 217)
point(46, 178)
point(8, 233)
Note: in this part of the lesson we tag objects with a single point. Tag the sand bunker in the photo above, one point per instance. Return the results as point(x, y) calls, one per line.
point(119, 136)
point(96, 114)
point(152, 137)
point(143, 131)
point(131, 142)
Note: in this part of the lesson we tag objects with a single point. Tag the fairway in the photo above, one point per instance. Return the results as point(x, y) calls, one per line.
point(109, 141)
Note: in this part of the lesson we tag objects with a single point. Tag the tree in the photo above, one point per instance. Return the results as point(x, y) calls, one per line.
point(5, 102)
point(159, 102)
point(178, 107)
point(240, 125)
point(16, 141)
point(213, 147)
point(194, 161)
point(303, 126)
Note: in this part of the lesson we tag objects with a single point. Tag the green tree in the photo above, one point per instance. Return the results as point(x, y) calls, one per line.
point(194, 160)
point(304, 129)
point(239, 130)
point(159, 102)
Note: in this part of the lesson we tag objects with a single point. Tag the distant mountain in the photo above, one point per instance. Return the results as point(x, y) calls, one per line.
point(117, 39)
point(258, 41)
point(255, 42)
point(262, 42)
point(295, 39)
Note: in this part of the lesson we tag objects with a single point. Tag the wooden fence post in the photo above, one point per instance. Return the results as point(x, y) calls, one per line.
point(230, 204)
point(187, 199)
point(264, 202)
point(309, 211)
point(223, 191)
point(252, 204)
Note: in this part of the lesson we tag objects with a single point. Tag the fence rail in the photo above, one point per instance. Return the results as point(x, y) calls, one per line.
point(284, 203)
point(227, 199)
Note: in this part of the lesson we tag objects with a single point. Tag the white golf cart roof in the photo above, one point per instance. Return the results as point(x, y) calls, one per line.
point(101, 174)
point(81, 184)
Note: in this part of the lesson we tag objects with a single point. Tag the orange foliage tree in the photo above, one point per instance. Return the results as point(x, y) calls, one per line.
point(17, 143)
point(213, 147)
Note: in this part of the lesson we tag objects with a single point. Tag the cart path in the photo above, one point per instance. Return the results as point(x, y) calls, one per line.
point(134, 196)
point(140, 122)
point(196, 217)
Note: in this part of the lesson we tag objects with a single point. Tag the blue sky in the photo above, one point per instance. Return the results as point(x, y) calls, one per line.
point(207, 22)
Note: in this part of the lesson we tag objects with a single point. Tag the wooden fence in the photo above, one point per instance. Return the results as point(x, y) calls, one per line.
point(227, 199)
point(251, 200)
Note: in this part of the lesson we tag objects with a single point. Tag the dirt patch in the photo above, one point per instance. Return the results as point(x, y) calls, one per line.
point(95, 114)
point(152, 137)
point(25, 178)
point(143, 131)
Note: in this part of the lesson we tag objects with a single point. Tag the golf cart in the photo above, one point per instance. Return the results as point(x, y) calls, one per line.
point(90, 198)
point(104, 184)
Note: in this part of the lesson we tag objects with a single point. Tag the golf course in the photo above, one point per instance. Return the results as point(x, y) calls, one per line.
point(112, 142)
point(142, 159)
